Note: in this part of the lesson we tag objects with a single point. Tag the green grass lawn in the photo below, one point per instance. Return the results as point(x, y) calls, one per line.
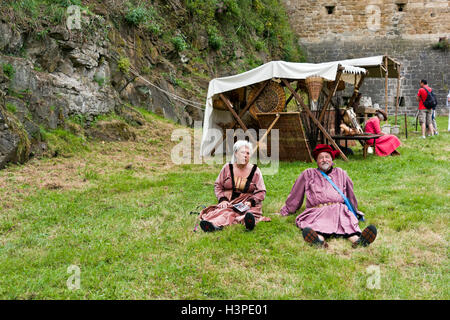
point(129, 230)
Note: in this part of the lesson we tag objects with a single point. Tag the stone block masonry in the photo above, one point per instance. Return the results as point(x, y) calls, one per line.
point(403, 29)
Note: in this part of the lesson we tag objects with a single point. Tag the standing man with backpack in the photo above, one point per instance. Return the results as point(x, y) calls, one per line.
point(427, 102)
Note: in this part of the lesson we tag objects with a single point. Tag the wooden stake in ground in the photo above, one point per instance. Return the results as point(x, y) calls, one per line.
point(386, 85)
point(398, 95)
point(406, 127)
point(267, 132)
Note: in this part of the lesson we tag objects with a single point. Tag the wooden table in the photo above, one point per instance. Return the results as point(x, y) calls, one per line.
point(362, 138)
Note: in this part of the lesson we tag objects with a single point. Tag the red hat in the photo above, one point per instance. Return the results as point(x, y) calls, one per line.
point(324, 148)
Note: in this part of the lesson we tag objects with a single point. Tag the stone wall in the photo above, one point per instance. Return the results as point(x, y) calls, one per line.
point(418, 60)
point(335, 30)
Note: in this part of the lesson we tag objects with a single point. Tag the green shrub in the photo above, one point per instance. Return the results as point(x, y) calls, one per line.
point(29, 8)
point(179, 43)
point(8, 70)
point(78, 119)
point(11, 107)
point(136, 16)
point(266, 19)
point(56, 14)
point(252, 61)
point(215, 41)
point(443, 44)
point(259, 45)
point(124, 65)
point(154, 28)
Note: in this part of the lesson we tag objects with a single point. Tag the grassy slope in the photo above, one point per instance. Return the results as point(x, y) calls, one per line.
point(129, 231)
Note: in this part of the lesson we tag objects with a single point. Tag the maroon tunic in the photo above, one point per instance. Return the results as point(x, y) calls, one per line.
point(223, 188)
point(326, 212)
point(385, 144)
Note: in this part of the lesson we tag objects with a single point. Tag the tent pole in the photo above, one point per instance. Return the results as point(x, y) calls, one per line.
point(291, 96)
point(331, 95)
point(356, 91)
point(267, 132)
point(406, 127)
point(249, 104)
point(386, 84)
point(230, 108)
point(313, 118)
point(224, 138)
point(398, 95)
point(233, 124)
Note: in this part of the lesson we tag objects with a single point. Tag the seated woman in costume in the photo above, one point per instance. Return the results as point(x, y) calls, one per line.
point(385, 145)
point(239, 183)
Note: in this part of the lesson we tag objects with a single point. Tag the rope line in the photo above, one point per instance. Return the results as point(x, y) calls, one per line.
point(187, 102)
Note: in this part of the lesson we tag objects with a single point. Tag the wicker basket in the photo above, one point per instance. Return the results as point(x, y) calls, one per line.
point(293, 145)
point(219, 104)
point(271, 99)
point(314, 85)
point(341, 85)
point(236, 96)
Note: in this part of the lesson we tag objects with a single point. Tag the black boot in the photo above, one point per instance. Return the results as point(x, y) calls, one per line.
point(249, 221)
point(367, 237)
point(312, 238)
point(208, 226)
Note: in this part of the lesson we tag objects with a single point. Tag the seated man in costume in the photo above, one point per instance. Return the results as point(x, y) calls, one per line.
point(240, 191)
point(327, 213)
point(388, 143)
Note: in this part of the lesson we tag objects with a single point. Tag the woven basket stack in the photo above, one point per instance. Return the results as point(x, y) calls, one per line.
point(314, 85)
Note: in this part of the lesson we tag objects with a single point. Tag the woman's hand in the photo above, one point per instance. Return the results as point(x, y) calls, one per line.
point(248, 203)
point(223, 204)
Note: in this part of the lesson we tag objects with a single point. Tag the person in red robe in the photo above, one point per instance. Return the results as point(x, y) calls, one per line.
point(388, 143)
point(238, 183)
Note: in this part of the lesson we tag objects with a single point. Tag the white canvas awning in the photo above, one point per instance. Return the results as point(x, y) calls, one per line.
point(270, 70)
point(374, 66)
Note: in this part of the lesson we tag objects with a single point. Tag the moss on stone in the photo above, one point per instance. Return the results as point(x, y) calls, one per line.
point(15, 126)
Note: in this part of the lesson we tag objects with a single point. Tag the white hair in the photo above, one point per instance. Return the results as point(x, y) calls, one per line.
point(239, 144)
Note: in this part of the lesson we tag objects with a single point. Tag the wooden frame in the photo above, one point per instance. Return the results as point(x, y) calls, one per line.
point(313, 118)
point(237, 118)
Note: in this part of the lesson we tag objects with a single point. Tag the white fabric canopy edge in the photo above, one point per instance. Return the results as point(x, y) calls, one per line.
point(280, 69)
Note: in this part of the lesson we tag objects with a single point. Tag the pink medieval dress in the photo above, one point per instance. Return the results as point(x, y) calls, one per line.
point(326, 212)
point(385, 144)
point(236, 189)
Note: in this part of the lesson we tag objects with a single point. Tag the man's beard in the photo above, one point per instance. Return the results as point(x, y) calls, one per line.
point(324, 167)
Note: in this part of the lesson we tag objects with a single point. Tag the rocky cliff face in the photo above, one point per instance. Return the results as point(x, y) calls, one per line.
point(120, 53)
point(46, 80)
